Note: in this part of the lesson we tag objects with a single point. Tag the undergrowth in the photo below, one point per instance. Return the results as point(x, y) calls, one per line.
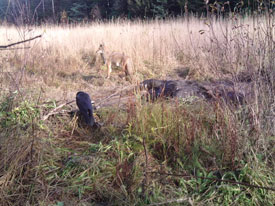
point(148, 153)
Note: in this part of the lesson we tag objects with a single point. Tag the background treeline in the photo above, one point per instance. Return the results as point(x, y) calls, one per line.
point(37, 11)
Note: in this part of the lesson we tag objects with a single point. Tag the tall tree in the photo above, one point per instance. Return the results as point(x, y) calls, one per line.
point(140, 8)
point(120, 8)
point(53, 9)
point(25, 11)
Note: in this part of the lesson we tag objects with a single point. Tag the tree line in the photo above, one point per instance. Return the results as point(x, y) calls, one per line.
point(65, 11)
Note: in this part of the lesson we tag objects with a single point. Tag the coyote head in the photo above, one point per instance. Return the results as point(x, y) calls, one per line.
point(100, 49)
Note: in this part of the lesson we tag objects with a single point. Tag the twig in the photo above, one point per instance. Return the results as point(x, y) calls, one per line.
point(180, 200)
point(146, 163)
point(116, 93)
point(215, 179)
point(20, 42)
point(16, 48)
point(32, 142)
point(54, 111)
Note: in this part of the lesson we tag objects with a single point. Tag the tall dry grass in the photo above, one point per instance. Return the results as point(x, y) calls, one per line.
point(161, 44)
point(63, 61)
point(161, 49)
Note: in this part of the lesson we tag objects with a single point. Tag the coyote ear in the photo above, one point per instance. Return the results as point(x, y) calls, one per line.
point(101, 45)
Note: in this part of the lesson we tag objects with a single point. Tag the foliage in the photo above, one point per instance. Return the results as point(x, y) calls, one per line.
point(23, 115)
point(128, 165)
point(37, 11)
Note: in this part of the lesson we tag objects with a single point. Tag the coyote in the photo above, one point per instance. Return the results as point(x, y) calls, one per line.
point(116, 59)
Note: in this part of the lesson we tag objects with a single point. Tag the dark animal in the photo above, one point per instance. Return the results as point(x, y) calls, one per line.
point(173, 88)
point(84, 104)
point(227, 91)
point(154, 87)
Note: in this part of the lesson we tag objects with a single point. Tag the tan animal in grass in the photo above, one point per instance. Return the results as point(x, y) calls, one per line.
point(116, 59)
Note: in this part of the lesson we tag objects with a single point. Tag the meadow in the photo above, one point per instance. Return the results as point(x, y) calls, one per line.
point(146, 153)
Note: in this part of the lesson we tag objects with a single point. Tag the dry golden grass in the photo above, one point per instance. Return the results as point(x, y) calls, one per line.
point(63, 60)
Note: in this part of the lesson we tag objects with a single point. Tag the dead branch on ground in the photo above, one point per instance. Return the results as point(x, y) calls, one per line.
point(128, 88)
point(55, 110)
point(19, 42)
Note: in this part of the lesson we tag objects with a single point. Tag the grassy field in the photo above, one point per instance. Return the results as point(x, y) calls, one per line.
point(169, 152)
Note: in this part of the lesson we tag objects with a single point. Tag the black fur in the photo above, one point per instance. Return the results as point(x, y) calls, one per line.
point(84, 104)
point(230, 92)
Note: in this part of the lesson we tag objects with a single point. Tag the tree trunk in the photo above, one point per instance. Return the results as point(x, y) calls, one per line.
point(43, 8)
point(53, 10)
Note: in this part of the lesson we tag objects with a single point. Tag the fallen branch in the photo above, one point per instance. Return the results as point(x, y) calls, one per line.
point(215, 179)
point(180, 200)
point(16, 48)
point(20, 42)
point(116, 93)
point(54, 111)
point(146, 164)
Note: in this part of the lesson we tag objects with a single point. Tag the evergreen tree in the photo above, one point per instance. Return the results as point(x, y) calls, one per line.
point(36, 11)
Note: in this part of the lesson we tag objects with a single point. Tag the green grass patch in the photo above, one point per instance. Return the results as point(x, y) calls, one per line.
point(164, 151)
